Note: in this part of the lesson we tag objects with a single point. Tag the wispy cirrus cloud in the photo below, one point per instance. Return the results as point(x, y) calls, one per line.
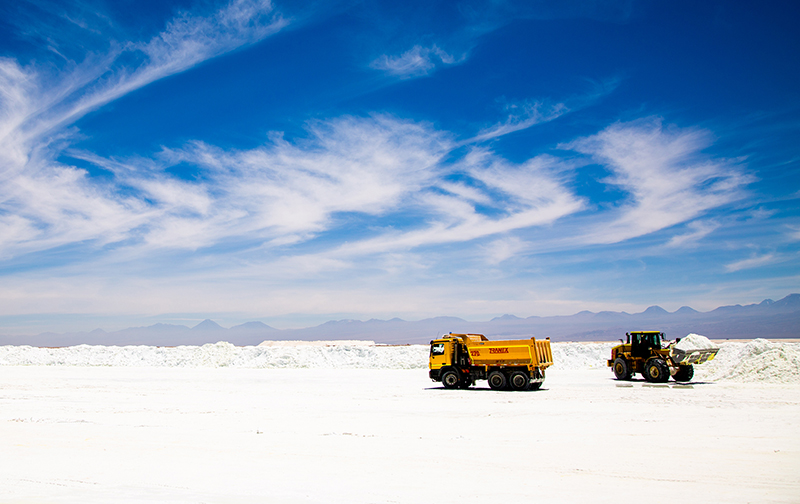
point(793, 233)
point(418, 61)
point(753, 262)
point(520, 196)
point(186, 41)
point(503, 249)
point(44, 203)
point(667, 178)
point(402, 180)
point(697, 230)
point(284, 192)
point(521, 116)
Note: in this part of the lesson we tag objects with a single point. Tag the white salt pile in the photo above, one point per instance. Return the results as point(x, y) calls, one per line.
point(271, 354)
point(581, 355)
point(757, 361)
point(222, 355)
point(694, 342)
point(284, 343)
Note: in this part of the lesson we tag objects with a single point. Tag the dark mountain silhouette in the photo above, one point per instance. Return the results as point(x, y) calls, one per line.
point(768, 319)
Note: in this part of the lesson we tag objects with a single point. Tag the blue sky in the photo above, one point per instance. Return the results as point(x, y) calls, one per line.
point(295, 162)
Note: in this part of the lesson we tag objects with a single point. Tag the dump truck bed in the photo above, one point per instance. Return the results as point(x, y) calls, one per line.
point(529, 352)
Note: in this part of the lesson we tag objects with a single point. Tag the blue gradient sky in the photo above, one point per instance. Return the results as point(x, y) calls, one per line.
point(294, 162)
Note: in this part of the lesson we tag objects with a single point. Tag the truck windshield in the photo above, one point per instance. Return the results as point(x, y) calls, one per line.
point(437, 349)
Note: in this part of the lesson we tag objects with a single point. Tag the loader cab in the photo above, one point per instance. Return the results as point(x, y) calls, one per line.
point(643, 343)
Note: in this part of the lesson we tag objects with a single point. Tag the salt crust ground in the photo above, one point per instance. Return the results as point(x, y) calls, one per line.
point(232, 435)
point(221, 424)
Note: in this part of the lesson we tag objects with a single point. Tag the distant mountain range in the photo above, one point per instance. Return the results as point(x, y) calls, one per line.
point(768, 319)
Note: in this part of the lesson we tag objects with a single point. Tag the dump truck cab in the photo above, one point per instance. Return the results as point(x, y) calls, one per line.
point(451, 351)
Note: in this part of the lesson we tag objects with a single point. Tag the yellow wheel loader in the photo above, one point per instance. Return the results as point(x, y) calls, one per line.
point(648, 353)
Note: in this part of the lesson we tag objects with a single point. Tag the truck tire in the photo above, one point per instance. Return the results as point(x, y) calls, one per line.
point(684, 374)
point(450, 379)
point(621, 369)
point(497, 380)
point(656, 371)
point(520, 381)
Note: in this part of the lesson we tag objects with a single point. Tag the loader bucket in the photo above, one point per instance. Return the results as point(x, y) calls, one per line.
point(685, 358)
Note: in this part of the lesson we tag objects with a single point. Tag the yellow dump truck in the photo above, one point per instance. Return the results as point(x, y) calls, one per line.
point(457, 360)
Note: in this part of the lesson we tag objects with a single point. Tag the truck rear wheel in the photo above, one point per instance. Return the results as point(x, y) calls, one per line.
point(497, 380)
point(656, 371)
point(685, 373)
point(450, 379)
point(621, 369)
point(520, 381)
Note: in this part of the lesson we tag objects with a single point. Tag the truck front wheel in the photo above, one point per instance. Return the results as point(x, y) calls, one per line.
point(450, 379)
point(497, 380)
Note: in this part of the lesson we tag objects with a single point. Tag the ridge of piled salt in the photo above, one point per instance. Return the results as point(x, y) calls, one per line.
point(326, 343)
point(221, 354)
point(694, 342)
point(757, 361)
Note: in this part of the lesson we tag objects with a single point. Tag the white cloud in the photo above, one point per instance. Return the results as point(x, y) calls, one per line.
point(416, 62)
point(526, 195)
point(522, 116)
point(753, 262)
point(664, 173)
point(697, 231)
point(45, 204)
point(365, 165)
point(285, 193)
point(503, 249)
point(32, 106)
point(794, 233)
point(187, 40)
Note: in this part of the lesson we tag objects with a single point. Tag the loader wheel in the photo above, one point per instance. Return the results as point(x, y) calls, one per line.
point(497, 380)
point(621, 369)
point(450, 379)
point(685, 373)
point(520, 381)
point(656, 371)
